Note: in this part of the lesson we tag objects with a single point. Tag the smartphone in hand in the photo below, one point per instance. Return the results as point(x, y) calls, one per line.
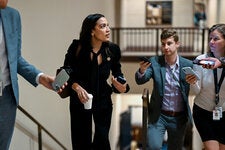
point(61, 78)
point(145, 59)
point(203, 62)
point(189, 70)
point(121, 80)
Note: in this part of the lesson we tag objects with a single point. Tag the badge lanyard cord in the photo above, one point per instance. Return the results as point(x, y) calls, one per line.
point(218, 85)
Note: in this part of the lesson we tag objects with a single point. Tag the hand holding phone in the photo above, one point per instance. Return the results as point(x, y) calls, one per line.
point(145, 59)
point(121, 80)
point(203, 62)
point(61, 78)
point(189, 70)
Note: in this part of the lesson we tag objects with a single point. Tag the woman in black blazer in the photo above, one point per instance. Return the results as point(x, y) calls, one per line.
point(87, 77)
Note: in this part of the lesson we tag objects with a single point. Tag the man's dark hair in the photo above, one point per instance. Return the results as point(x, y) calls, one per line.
point(166, 33)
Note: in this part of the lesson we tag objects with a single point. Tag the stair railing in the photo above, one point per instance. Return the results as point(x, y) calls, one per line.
point(40, 129)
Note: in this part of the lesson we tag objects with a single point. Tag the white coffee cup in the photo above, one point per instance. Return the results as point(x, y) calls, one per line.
point(88, 104)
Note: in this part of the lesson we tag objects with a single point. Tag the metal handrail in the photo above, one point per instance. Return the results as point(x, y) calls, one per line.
point(145, 98)
point(40, 128)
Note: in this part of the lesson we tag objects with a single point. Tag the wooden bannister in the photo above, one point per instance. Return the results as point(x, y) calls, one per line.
point(146, 41)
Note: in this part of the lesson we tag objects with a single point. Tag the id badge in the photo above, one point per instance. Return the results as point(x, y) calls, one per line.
point(1, 87)
point(220, 109)
point(216, 114)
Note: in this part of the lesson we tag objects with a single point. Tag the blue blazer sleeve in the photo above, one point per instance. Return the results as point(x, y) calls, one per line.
point(17, 64)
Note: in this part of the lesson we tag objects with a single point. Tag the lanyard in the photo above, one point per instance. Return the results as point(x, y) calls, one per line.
point(218, 85)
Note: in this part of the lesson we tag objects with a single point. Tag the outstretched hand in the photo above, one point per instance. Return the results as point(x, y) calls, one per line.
point(143, 66)
point(216, 65)
point(46, 81)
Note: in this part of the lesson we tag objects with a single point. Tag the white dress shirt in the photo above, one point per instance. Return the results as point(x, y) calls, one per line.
point(3, 59)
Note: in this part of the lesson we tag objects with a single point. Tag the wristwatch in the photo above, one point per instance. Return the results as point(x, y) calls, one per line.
point(222, 60)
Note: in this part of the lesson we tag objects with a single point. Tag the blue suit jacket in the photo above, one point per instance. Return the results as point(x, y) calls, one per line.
point(157, 72)
point(17, 64)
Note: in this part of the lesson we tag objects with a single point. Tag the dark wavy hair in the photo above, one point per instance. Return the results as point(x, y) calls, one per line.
point(87, 26)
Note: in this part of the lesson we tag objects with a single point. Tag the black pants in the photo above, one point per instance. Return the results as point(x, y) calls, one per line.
point(81, 128)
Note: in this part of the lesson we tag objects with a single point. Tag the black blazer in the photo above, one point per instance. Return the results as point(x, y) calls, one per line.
point(80, 62)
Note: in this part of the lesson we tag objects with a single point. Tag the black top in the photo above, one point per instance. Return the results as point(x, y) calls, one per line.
point(81, 64)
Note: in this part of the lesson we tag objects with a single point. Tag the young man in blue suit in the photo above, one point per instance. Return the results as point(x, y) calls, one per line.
point(169, 107)
point(11, 63)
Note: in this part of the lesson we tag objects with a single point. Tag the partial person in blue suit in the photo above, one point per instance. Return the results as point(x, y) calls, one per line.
point(11, 63)
point(169, 108)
